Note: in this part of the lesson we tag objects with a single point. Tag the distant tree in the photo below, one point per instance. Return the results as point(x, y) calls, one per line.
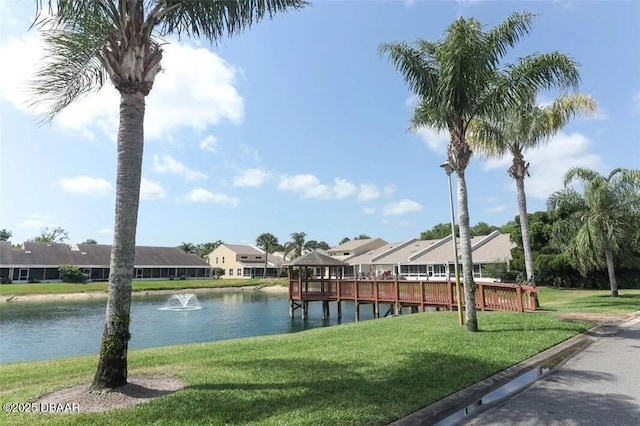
point(523, 127)
point(344, 240)
point(599, 220)
point(438, 232)
point(55, 235)
point(266, 242)
point(204, 249)
point(297, 244)
point(482, 228)
point(323, 245)
point(362, 237)
point(5, 235)
point(89, 241)
point(311, 245)
point(187, 247)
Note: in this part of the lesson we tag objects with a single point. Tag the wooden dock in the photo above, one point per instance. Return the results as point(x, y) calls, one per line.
point(404, 293)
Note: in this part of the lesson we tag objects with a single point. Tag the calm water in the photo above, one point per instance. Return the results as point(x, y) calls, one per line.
point(35, 331)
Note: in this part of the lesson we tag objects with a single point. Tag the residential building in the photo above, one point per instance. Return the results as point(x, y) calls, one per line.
point(40, 262)
point(244, 261)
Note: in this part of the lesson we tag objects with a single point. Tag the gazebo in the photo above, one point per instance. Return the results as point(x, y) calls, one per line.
point(314, 277)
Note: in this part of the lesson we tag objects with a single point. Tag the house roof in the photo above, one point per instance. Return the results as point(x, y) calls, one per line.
point(315, 259)
point(55, 254)
point(403, 253)
point(243, 249)
point(496, 249)
point(356, 244)
point(365, 258)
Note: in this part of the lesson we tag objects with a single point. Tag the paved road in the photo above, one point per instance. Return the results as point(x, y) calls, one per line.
point(599, 386)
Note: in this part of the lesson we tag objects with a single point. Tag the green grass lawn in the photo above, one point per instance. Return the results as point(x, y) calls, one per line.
point(66, 288)
point(365, 373)
point(589, 301)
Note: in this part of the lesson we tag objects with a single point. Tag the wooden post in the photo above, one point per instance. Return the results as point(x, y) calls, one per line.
point(376, 310)
point(291, 308)
point(480, 289)
point(357, 311)
point(422, 284)
point(305, 310)
point(339, 309)
point(519, 299)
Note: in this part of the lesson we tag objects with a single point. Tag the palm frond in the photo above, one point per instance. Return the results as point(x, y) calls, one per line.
point(72, 68)
point(214, 19)
point(507, 34)
point(488, 139)
point(420, 71)
point(581, 174)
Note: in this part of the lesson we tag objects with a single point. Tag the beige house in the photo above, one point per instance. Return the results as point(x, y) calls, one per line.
point(243, 261)
point(355, 248)
point(423, 259)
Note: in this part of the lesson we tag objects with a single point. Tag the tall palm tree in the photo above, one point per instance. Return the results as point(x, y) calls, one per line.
point(91, 41)
point(266, 241)
point(297, 244)
point(526, 126)
point(187, 247)
point(459, 79)
point(592, 225)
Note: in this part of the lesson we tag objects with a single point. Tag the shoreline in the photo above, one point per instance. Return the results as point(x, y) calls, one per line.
point(140, 293)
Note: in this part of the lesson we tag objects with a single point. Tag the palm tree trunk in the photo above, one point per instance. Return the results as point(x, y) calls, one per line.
point(524, 227)
point(266, 254)
point(465, 250)
point(608, 254)
point(112, 366)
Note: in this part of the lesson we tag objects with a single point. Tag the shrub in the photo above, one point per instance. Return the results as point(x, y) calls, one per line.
point(72, 274)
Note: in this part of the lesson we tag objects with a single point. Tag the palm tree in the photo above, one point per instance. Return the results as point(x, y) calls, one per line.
point(526, 126)
point(91, 41)
point(297, 244)
point(592, 226)
point(187, 247)
point(266, 241)
point(459, 79)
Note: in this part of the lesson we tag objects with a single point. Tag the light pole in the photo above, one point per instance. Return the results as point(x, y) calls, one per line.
point(448, 170)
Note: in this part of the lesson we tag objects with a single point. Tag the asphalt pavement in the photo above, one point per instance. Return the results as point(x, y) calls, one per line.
point(598, 386)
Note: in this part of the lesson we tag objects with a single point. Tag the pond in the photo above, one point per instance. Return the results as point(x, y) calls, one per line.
point(35, 331)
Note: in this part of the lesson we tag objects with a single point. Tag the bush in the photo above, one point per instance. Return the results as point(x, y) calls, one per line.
point(72, 274)
point(6, 280)
point(33, 280)
point(217, 273)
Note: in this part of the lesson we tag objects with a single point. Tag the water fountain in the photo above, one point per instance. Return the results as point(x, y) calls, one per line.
point(182, 302)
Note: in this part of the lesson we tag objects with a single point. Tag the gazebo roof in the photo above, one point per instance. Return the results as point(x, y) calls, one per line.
point(315, 259)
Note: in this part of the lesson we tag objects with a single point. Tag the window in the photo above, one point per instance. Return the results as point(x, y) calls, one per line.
point(346, 253)
point(239, 272)
point(258, 257)
point(243, 257)
point(216, 260)
point(222, 259)
point(230, 272)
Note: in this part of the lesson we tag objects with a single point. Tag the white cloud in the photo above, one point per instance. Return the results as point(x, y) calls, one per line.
point(309, 186)
point(86, 185)
point(368, 210)
point(168, 164)
point(183, 95)
point(251, 177)
point(403, 206)
point(37, 221)
point(151, 190)
point(550, 162)
point(436, 140)
point(342, 188)
point(201, 195)
point(368, 192)
point(389, 189)
point(210, 143)
point(496, 209)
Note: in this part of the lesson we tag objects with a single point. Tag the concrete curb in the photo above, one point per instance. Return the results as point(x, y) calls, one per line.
point(553, 356)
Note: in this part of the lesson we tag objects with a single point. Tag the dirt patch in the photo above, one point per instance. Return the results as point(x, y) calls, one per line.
point(139, 390)
point(596, 318)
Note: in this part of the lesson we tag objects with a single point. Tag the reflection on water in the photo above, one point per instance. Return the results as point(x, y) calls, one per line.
point(34, 331)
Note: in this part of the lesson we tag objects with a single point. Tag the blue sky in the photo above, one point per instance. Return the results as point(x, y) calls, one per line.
point(298, 125)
